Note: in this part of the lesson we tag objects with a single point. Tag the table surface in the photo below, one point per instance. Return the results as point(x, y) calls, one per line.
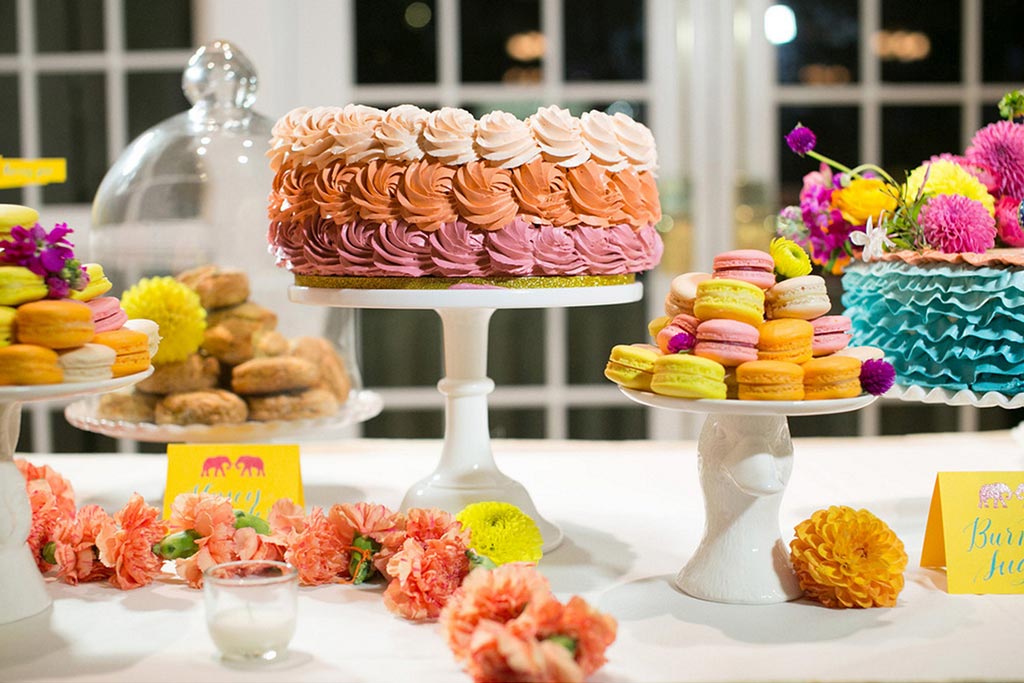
point(632, 514)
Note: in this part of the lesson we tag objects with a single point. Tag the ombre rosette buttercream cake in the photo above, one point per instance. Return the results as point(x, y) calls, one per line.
point(410, 198)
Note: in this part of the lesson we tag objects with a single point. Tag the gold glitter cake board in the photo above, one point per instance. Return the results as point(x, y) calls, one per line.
point(556, 282)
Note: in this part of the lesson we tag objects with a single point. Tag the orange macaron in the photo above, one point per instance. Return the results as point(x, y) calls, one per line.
point(786, 339)
point(132, 350)
point(770, 380)
point(29, 364)
point(55, 324)
point(831, 377)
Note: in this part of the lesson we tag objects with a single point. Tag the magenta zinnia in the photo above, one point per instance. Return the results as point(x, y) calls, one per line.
point(953, 223)
point(1000, 147)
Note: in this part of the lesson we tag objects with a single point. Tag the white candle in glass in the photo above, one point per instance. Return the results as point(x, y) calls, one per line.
point(252, 631)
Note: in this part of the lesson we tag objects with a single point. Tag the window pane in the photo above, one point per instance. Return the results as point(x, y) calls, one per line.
point(608, 423)
point(1002, 50)
point(401, 348)
point(516, 347)
point(396, 41)
point(152, 97)
point(916, 45)
point(824, 51)
point(407, 424)
point(73, 114)
point(594, 330)
point(516, 424)
point(520, 109)
point(990, 113)
point(10, 126)
point(69, 25)
point(906, 142)
point(908, 418)
point(501, 41)
point(8, 27)
point(838, 131)
point(604, 40)
point(157, 25)
point(843, 424)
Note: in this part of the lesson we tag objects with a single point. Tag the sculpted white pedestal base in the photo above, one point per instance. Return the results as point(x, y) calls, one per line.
point(745, 457)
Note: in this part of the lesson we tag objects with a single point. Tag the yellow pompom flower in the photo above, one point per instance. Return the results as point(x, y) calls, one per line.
point(848, 558)
point(947, 177)
point(502, 532)
point(175, 308)
point(790, 258)
point(864, 198)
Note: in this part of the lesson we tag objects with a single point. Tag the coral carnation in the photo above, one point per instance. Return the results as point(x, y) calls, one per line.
point(848, 558)
point(45, 515)
point(425, 575)
point(497, 653)
point(286, 519)
point(363, 519)
point(127, 545)
point(1008, 223)
point(953, 224)
point(212, 517)
point(75, 540)
point(317, 551)
point(60, 487)
point(1000, 147)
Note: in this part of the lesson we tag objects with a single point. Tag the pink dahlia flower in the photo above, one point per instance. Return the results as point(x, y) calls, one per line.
point(953, 223)
point(1008, 221)
point(76, 552)
point(1000, 147)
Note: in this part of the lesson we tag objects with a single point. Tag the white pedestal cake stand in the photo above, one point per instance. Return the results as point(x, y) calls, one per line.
point(22, 592)
point(467, 472)
point(745, 457)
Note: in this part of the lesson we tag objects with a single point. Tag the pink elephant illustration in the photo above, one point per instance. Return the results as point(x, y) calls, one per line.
point(215, 466)
point(1019, 492)
point(996, 493)
point(250, 465)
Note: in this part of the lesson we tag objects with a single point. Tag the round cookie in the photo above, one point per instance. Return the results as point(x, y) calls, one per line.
point(208, 407)
point(273, 375)
point(192, 374)
point(293, 406)
point(322, 355)
point(127, 407)
point(217, 287)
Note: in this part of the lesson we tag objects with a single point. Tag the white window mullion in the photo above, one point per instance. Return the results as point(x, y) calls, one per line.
point(448, 43)
point(551, 28)
point(117, 100)
point(870, 76)
point(28, 94)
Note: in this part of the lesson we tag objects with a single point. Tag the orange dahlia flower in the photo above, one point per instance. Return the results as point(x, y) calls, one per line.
point(864, 198)
point(848, 558)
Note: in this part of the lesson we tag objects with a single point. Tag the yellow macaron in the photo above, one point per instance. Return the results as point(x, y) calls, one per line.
point(770, 380)
point(657, 325)
point(831, 377)
point(15, 214)
point(98, 285)
point(29, 364)
point(632, 366)
point(20, 285)
point(6, 325)
point(729, 299)
point(55, 324)
point(686, 376)
point(132, 350)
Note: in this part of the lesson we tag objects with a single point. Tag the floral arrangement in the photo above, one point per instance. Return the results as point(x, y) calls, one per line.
point(951, 203)
point(475, 570)
point(48, 254)
point(848, 558)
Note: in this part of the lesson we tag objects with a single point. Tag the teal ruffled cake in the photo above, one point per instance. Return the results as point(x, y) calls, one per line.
point(948, 321)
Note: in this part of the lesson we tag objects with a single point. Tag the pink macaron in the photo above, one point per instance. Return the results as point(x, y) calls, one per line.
point(750, 265)
point(679, 335)
point(728, 342)
point(107, 314)
point(831, 334)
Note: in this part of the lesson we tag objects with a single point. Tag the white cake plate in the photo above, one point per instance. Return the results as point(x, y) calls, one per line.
point(467, 472)
point(744, 457)
point(22, 592)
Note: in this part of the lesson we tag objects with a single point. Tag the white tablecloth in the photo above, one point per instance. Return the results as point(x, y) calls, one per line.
point(632, 514)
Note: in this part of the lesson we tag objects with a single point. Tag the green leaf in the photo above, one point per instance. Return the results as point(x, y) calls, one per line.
point(567, 642)
point(362, 569)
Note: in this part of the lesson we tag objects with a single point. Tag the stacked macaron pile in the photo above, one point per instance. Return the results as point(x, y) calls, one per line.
point(739, 333)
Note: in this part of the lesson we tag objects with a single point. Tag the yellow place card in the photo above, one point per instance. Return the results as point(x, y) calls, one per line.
point(254, 477)
point(976, 531)
point(21, 172)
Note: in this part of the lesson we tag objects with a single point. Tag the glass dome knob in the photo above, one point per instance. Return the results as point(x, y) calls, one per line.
point(219, 76)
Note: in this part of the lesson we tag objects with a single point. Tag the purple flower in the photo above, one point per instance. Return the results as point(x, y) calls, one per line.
point(801, 139)
point(58, 288)
point(877, 376)
point(681, 343)
point(47, 254)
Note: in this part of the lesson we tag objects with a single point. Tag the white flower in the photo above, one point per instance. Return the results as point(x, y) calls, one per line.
point(874, 240)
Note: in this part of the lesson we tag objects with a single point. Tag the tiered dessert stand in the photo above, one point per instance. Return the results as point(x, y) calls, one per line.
point(467, 472)
point(22, 592)
point(745, 457)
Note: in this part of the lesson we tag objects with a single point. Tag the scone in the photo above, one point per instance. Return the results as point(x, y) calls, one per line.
point(216, 287)
point(208, 407)
point(273, 375)
point(127, 407)
point(230, 332)
point(292, 406)
point(192, 374)
point(269, 343)
point(322, 355)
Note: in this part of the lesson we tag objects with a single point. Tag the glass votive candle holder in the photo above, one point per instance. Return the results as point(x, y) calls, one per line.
point(251, 608)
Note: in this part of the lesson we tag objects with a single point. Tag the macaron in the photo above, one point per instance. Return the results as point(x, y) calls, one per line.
point(16, 214)
point(786, 339)
point(682, 293)
point(728, 342)
point(29, 364)
point(88, 363)
point(657, 325)
point(132, 350)
point(770, 380)
point(750, 265)
point(98, 285)
point(19, 285)
point(862, 353)
point(107, 313)
point(55, 324)
point(6, 325)
point(731, 299)
point(632, 366)
point(831, 334)
point(148, 328)
point(679, 335)
point(831, 377)
point(803, 297)
point(688, 376)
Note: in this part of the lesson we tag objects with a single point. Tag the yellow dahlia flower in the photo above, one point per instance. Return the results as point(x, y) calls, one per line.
point(175, 308)
point(864, 198)
point(947, 177)
point(790, 258)
point(848, 558)
point(502, 532)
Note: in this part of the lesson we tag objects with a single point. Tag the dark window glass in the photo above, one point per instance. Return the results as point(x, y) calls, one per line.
point(594, 330)
point(10, 126)
point(72, 112)
point(406, 348)
point(517, 424)
point(1002, 44)
point(608, 423)
point(519, 109)
point(152, 97)
point(843, 424)
point(997, 418)
point(604, 40)
point(69, 25)
point(407, 424)
point(824, 50)
point(516, 347)
point(396, 41)
point(501, 41)
point(67, 439)
point(631, 108)
point(157, 25)
point(8, 27)
point(920, 45)
point(907, 140)
point(908, 418)
point(990, 114)
point(838, 131)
